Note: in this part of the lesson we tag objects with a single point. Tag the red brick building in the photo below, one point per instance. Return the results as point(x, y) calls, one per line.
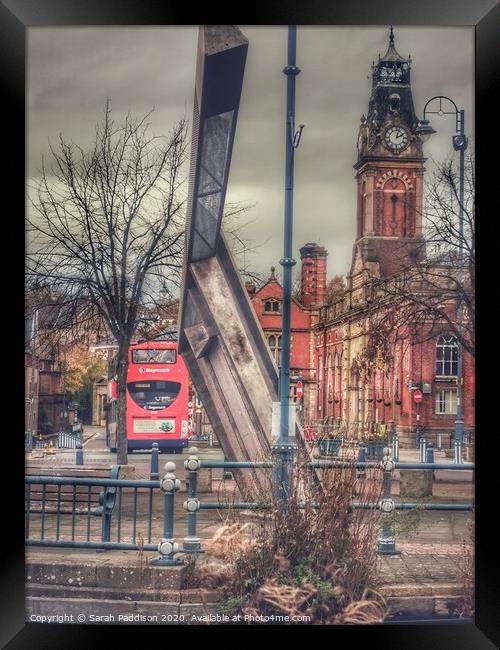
point(328, 340)
point(47, 404)
point(267, 302)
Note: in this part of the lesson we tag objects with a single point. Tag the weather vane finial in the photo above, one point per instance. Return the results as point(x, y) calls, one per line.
point(391, 38)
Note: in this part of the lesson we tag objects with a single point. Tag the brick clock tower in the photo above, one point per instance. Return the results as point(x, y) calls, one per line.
point(390, 169)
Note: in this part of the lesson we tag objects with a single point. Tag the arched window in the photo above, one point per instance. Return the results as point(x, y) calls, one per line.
point(338, 380)
point(274, 342)
point(446, 356)
point(362, 211)
point(394, 211)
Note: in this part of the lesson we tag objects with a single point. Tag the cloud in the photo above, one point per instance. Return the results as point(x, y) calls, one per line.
point(71, 71)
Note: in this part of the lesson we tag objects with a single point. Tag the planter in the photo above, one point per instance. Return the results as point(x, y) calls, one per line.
point(375, 449)
point(329, 446)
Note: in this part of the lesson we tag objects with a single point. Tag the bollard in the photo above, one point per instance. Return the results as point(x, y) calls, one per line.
point(395, 447)
point(458, 458)
point(423, 446)
point(192, 543)
point(429, 458)
point(167, 547)
point(79, 454)
point(386, 540)
point(429, 454)
point(361, 472)
point(439, 441)
point(154, 474)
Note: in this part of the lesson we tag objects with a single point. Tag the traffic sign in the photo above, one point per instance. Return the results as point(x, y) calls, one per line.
point(299, 391)
point(417, 396)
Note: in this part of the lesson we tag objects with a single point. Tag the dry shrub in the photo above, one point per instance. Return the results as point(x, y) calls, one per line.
point(287, 598)
point(317, 556)
point(370, 609)
point(230, 540)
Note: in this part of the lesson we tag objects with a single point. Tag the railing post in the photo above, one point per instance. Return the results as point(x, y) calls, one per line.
point(106, 520)
point(167, 547)
point(192, 543)
point(154, 474)
point(386, 540)
point(361, 473)
point(79, 454)
point(226, 473)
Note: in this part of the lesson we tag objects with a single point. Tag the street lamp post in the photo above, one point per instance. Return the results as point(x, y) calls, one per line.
point(459, 141)
point(283, 448)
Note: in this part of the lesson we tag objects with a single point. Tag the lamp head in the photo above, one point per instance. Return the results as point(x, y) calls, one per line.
point(424, 130)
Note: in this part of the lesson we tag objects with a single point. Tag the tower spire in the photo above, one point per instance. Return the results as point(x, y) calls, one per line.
point(391, 38)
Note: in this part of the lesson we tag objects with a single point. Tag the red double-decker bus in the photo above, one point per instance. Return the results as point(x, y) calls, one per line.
point(157, 398)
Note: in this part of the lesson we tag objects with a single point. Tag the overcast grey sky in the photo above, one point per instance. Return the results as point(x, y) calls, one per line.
point(71, 71)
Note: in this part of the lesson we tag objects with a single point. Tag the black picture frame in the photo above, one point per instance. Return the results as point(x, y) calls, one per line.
point(16, 17)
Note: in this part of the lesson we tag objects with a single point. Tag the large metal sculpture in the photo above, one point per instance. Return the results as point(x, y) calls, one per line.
point(220, 337)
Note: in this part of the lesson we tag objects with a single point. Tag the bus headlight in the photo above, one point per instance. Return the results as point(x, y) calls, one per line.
point(184, 429)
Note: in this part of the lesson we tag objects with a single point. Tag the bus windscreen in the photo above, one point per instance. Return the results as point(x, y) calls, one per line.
point(154, 395)
point(154, 356)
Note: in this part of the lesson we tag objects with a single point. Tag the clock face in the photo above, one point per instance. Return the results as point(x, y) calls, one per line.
point(396, 138)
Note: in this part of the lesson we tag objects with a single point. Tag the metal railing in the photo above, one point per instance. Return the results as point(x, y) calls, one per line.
point(69, 440)
point(132, 514)
point(99, 513)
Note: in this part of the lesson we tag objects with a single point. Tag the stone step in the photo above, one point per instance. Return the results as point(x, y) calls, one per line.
point(104, 576)
point(424, 600)
point(131, 593)
point(113, 612)
point(427, 601)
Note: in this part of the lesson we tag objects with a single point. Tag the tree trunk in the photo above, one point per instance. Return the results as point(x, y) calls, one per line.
point(121, 416)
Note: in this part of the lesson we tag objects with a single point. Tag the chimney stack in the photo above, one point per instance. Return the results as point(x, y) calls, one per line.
point(313, 278)
point(250, 287)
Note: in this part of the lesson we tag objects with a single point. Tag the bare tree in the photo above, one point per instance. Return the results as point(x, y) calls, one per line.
point(107, 226)
point(335, 289)
point(435, 290)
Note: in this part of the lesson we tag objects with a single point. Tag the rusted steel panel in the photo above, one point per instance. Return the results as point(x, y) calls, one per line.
point(220, 337)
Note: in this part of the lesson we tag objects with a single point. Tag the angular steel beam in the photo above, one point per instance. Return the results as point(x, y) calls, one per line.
point(220, 337)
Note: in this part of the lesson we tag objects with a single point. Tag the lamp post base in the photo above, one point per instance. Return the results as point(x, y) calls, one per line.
point(387, 546)
point(165, 561)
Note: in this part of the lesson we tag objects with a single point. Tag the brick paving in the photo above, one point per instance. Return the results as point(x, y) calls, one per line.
point(419, 566)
